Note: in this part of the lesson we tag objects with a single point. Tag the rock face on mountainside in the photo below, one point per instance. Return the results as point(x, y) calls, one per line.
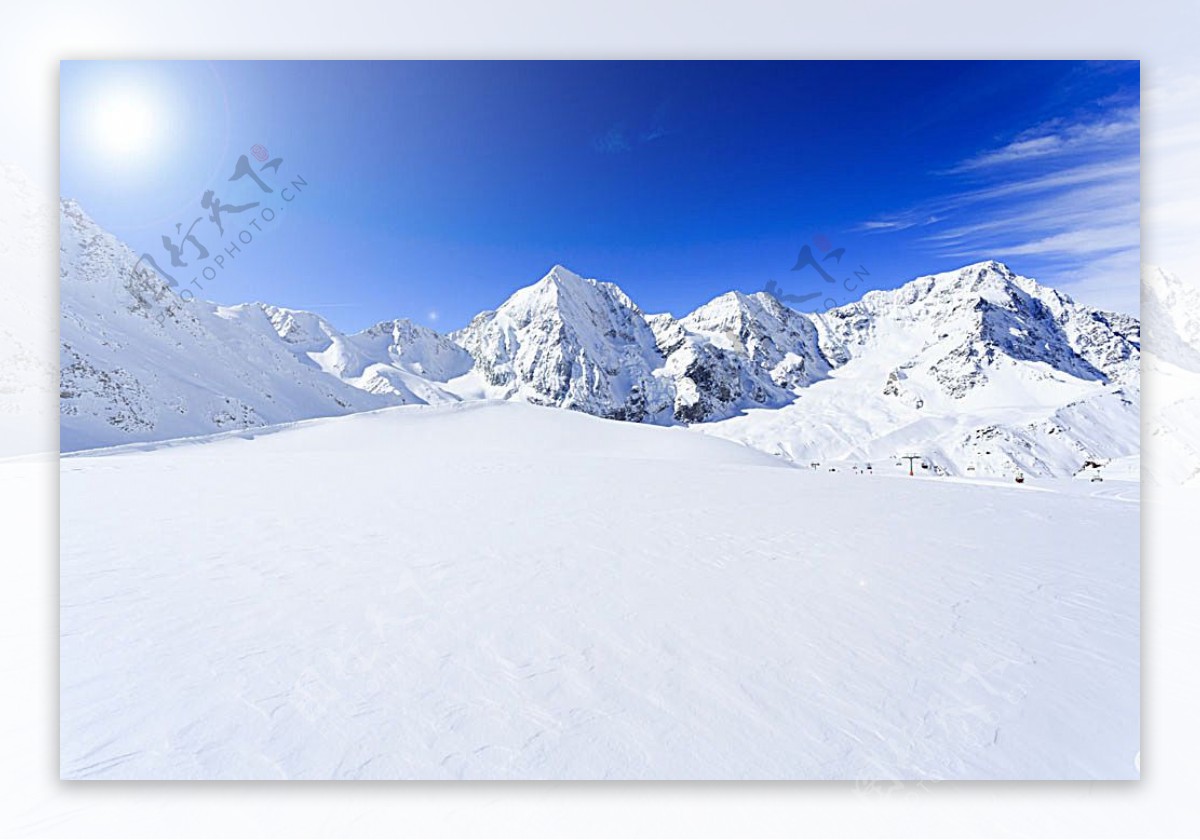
point(980, 318)
point(572, 343)
point(584, 345)
point(983, 369)
point(707, 381)
point(758, 327)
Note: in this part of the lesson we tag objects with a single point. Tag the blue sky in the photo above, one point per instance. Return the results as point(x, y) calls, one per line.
point(433, 190)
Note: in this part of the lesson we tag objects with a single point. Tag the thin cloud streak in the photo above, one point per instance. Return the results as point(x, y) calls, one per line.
point(1057, 139)
point(1099, 240)
point(1062, 197)
point(939, 209)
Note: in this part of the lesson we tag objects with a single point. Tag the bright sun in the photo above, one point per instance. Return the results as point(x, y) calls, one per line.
point(125, 123)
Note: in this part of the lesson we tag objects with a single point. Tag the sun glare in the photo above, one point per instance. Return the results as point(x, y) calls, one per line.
point(125, 123)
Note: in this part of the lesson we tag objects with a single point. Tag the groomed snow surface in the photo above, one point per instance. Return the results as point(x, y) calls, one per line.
point(499, 591)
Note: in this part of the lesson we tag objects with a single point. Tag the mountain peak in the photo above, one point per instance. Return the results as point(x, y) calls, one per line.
point(733, 298)
point(557, 286)
point(562, 276)
point(976, 276)
point(987, 266)
point(988, 280)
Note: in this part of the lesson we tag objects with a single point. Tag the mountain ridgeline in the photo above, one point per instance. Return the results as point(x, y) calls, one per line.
point(979, 369)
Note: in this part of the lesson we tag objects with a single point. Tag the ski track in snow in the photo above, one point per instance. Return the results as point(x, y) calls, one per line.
point(498, 591)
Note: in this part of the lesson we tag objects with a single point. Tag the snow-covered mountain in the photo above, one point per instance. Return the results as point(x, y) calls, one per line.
point(398, 360)
point(137, 363)
point(760, 328)
point(572, 343)
point(977, 322)
point(977, 371)
point(584, 345)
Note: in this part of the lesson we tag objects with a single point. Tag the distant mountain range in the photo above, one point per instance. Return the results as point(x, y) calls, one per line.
point(976, 371)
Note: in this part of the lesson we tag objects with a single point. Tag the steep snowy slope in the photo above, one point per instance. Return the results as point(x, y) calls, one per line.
point(500, 591)
point(137, 363)
point(980, 371)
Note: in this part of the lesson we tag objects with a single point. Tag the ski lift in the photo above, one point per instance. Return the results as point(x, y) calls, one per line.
point(1097, 477)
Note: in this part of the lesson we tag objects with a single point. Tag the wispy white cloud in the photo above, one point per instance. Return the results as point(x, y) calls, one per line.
point(1110, 202)
point(888, 224)
point(1103, 281)
point(1092, 240)
point(953, 204)
point(902, 222)
point(1060, 199)
point(1057, 138)
point(1084, 173)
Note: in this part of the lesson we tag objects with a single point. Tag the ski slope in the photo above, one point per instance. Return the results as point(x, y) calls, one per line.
point(498, 591)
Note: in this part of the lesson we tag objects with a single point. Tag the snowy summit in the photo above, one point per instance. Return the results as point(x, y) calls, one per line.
point(980, 370)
